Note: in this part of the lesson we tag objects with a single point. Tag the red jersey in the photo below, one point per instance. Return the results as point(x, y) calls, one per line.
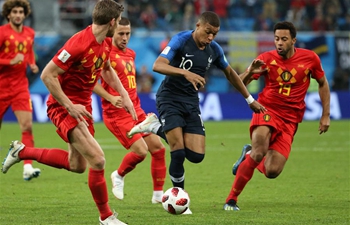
point(124, 65)
point(287, 81)
point(82, 58)
point(12, 43)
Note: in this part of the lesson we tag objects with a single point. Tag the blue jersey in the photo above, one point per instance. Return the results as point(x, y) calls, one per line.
point(183, 52)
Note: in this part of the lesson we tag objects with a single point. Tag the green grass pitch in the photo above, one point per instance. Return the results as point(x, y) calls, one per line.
point(314, 187)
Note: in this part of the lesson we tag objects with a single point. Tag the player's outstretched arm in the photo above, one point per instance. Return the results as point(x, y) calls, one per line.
point(235, 80)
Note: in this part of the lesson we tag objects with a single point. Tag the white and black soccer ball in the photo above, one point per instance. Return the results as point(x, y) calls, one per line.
point(175, 200)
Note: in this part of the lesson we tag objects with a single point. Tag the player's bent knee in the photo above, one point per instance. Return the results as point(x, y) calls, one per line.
point(178, 156)
point(141, 153)
point(97, 163)
point(80, 169)
point(272, 174)
point(194, 157)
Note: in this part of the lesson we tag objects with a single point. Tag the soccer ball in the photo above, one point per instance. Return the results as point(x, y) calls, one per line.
point(175, 200)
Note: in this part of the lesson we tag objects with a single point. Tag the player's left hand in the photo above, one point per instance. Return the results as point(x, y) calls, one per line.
point(324, 124)
point(255, 67)
point(34, 68)
point(129, 107)
point(257, 107)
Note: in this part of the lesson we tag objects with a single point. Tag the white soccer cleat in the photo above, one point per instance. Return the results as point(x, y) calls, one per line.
point(149, 125)
point(187, 212)
point(157, 197)
point(12, 155)
point(29, 172)
point(156, 200)
point(111, 220)
point(118, 185)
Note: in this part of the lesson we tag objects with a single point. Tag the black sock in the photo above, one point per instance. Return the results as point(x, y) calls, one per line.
point(176, 168)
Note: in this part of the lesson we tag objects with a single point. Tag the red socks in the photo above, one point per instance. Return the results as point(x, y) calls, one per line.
point(54, 157)
point(98, 188)
point(158, 169)
point(129, 163)
point(261, 167)
point(27, 140)
point(244, 174)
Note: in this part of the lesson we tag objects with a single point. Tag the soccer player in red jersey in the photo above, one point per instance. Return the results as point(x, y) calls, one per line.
point(287, 78)
point(70, 78)
point(119, 122)
point(16, 53)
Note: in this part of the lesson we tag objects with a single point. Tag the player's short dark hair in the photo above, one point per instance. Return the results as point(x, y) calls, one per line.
point(285, 25)
point(211, 18)
point(124, 21)
point(10, 4)
point(106, 10)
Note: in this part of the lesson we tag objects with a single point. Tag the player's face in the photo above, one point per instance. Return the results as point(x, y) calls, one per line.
point(205, 34)
point(16, 16)
point(284, 43)
point(121, 36)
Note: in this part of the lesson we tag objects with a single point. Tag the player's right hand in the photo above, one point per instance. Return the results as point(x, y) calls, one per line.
point(79, 112)
point(256, 66)
point(18, 58)
point(195, 80)
point(257, 107)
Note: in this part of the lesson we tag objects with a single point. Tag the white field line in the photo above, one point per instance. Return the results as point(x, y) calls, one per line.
point(322, 146)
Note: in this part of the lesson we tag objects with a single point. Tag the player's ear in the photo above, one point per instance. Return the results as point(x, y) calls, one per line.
point(198, 24)
point(112, 22)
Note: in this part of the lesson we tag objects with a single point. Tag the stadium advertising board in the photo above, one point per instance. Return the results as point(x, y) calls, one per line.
point(342, 47)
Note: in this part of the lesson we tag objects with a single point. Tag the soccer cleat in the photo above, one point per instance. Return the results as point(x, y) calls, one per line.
point(12, 155)
point(156, 200)
point(118, 185)
point(246, 148)
point(111, 220)
point(29, 172)
point(231, 205)
point(157, 197)
point(150, 124)
point(187, 212)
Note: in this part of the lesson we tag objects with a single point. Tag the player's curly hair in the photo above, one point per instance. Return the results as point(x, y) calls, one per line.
point(285, 25)
point(10, 4)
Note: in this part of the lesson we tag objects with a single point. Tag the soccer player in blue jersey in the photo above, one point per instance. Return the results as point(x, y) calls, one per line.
point(184, 61)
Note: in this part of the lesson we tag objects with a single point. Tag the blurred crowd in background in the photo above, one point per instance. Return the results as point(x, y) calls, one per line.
point(235, 15)
point(255, 15)
point(169, 16)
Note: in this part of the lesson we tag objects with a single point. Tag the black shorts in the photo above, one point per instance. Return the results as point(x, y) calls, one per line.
point(179, 114)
